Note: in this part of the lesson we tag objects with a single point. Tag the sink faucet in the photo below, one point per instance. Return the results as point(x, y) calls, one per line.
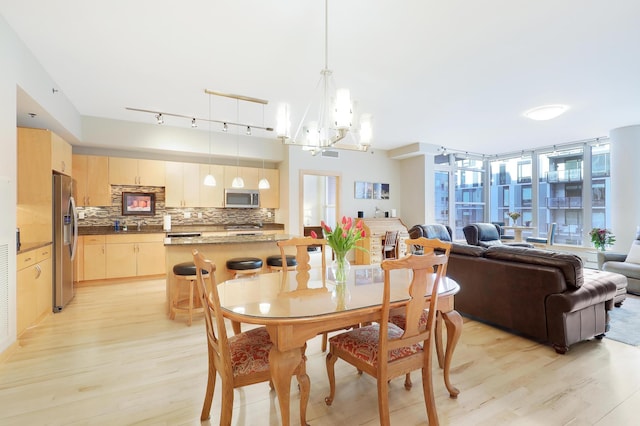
point(140, 223)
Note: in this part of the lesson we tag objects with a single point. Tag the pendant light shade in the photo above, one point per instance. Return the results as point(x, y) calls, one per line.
point(209, 180)
point(237, 182)
point(264, 184)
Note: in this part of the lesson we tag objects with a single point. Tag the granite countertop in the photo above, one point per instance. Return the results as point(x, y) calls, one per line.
point(157, 229)
point(229, 239)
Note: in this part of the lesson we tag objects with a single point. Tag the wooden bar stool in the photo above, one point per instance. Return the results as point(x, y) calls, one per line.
point(244, 266)
point(274, 262)
point(185, 274)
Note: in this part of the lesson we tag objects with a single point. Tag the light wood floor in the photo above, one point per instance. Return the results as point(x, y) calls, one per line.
point(113, 358)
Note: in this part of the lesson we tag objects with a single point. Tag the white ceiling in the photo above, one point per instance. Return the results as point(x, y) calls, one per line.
point(457, 73)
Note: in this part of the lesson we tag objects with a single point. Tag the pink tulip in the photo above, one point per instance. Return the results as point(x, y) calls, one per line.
point(363, 234)
point(344, 235)
point(313, 234)
point(359, 225)
point(344, 220)
point(325, 226)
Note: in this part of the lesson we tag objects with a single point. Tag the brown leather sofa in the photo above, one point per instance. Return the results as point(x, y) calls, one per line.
point(541, 294)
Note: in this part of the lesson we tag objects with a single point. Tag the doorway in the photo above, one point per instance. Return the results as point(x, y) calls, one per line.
point(319, 198)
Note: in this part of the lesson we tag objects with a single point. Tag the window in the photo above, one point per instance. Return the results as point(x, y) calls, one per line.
point(469, 190)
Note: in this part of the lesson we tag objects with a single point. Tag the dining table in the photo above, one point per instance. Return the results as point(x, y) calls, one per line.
point(296, 306)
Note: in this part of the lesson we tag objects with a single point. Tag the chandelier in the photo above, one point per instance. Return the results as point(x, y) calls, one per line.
point(335, 119)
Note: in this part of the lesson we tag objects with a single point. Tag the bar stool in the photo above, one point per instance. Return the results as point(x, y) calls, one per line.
point(185, 276)
point(244, 266)
point(274, 262)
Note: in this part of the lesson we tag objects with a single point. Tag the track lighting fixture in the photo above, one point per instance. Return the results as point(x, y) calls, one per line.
point(248, 130)
point(159, 119)
point(225, 127)
point(193, 123)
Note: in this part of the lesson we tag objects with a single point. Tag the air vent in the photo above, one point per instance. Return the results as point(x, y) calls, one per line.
point(331, 154)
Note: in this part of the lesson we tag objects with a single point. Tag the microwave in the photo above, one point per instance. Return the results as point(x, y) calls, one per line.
point(242, 198)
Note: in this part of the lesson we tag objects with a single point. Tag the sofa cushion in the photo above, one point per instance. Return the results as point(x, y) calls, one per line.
point(467, 250)
point(634, 253)
point(627, 269)
point(569, 264)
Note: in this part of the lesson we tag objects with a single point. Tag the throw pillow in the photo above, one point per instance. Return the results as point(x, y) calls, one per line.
point(634, 253)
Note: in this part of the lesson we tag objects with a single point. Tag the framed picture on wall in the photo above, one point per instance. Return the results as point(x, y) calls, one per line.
point(368, 192)
point(377, 191)
point(384, 191)
point(138, 204)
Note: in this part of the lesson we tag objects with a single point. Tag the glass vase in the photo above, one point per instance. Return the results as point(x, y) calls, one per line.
point(340, 268)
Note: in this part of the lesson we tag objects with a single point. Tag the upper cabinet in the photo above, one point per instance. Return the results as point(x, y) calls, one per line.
point(250, 175)
point(61, 157)
point(91, 174)
point(270, 198)
point(34, 185)
point(132, 171)
point(185, 188)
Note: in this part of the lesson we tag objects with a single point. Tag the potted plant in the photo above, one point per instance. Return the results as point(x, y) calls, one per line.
point(514, 216)
point(601, 238)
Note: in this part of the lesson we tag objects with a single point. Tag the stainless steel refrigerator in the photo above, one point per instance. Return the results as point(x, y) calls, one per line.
point(65, 240)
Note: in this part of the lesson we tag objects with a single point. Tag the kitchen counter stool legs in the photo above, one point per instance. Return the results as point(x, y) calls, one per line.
point(185, 282)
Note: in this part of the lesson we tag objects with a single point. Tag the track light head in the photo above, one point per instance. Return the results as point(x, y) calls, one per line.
point(160, 118)
point(193, 123)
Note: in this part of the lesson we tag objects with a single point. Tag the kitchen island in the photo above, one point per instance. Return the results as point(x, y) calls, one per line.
point(219, 249)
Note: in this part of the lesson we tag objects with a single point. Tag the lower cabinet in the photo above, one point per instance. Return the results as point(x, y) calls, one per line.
point(123, 256)
point(34, 290)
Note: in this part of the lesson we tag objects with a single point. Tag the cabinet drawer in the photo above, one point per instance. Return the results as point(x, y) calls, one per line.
point(43, 253)
point(93, 239)
point(24, 260)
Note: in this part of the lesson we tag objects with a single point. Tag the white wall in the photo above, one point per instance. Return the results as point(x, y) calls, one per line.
point(21, 69)
point(352, 166)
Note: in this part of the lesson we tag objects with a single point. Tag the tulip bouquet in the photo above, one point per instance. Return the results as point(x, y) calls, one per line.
point(342, 239)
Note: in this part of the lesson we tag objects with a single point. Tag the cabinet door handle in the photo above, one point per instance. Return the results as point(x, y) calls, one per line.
point(39, 271)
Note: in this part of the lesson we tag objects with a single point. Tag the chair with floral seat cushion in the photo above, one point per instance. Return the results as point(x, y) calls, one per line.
point(240, 360)
point(397, 317)
point(384, 350)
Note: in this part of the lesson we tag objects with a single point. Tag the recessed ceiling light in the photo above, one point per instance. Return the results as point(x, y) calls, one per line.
point(546, 112)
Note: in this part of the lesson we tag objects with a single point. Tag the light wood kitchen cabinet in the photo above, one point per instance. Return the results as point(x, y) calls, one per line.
point(182, 184)
point(185, 188)
point(375, 229)
point(270, 198)
point(94, 256)
point(133, 255)
point(34, 185)
point(61, 155)
point(212, 196)
point(250, 175)
point(133, 171)
point(34, 288)
point(91, 173)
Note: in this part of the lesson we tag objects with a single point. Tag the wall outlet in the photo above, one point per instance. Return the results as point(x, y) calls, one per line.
point(199, 215)
point(80, 215)
point(269, 214)
point(187, 215)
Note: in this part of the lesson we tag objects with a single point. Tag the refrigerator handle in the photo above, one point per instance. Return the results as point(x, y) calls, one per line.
point(74, 213)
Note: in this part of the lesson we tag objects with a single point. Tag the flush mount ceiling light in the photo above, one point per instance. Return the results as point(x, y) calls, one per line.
point(546, 112)
point(335, 115)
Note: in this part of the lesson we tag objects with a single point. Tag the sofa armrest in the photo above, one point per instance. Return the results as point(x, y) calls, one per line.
point(603, 257)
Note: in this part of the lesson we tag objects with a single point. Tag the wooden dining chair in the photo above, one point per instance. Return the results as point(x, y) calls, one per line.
point(389, 248)
point(301, 245)
point(397, 316)
point(303, 267)
point(384, 350)
point(240, 360)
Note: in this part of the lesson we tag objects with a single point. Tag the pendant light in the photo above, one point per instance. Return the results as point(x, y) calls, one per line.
point(209, 180)
point(237, 182)
point(264, 183)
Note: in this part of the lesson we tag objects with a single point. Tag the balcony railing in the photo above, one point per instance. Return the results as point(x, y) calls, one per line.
point(573, 175)
point(564, 202)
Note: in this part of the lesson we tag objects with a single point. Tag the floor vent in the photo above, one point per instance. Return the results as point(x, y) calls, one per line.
point(331, 154)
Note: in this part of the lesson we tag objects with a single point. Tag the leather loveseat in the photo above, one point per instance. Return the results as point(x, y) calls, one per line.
point(540, 294)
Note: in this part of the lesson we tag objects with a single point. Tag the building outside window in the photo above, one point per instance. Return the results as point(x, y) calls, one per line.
point(511, 190)
point(441, 205)
point(469, 193)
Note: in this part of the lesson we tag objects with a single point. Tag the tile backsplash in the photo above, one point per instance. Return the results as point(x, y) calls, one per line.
point(105, 216)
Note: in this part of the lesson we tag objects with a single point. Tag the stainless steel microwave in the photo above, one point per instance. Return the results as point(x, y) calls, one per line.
point(242, 198)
